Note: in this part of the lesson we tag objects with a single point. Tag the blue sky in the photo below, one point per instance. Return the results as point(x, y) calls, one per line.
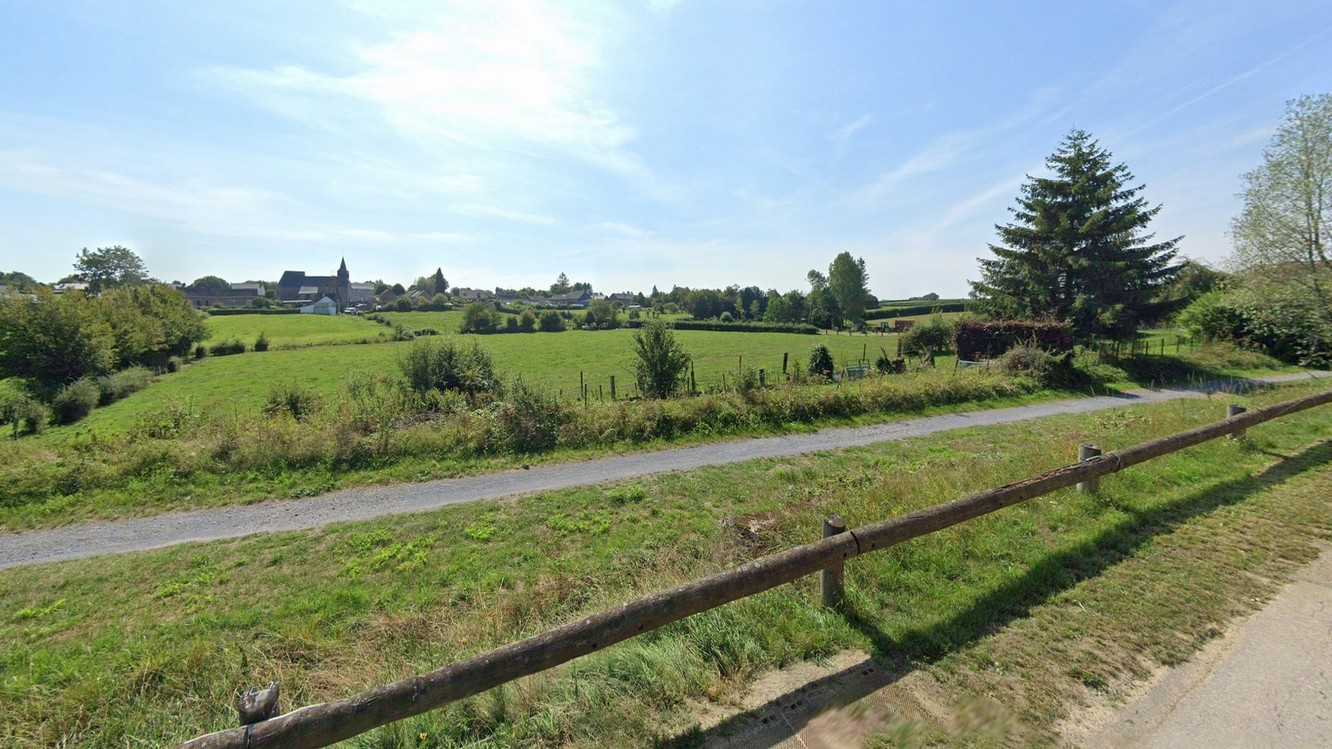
point(689, 142)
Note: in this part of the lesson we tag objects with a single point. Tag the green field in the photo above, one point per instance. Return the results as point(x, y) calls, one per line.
point(550, 360)
point(292, 331)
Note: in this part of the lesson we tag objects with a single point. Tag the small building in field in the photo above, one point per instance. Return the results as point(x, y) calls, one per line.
point(325, 306)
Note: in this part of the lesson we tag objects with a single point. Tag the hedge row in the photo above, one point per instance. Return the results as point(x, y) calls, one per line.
point(747, 327)
point(919, 309)
point(984, 339)
point(252, 311)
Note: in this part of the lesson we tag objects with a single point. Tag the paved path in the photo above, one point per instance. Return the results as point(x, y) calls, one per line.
point(1267, 683)
point(364, 503)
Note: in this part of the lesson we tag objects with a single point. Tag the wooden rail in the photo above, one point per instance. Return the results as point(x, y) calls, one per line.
point(327, 723)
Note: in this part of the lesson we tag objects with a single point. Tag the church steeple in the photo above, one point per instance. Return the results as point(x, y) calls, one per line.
point(342, 269)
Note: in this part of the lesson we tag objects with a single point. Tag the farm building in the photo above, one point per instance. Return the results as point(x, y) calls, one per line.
point(295, 287)
point(325, 306)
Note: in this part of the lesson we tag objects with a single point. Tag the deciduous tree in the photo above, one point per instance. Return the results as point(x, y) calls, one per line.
point(109, 267)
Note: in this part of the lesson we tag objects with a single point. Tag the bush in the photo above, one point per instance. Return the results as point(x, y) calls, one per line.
point(401, 333)
point(510, 324)
point(200, 352)
point(24, 413)
point(726, 317)
point(935, 337)
point(527, 321)
point(117, 385)
point(174, 363)
point(661, 363)
point(261, 343)
point(527, 421)
point(75, 401)
point(479, 317)
point(445, 364)
point(551, 322)
point(986, 339)
point(226, 348)
point(402, 304)
point(1029, 361)
point(292, 399)
point(821, 361)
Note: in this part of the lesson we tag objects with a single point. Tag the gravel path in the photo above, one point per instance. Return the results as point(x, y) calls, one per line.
point(364, 503)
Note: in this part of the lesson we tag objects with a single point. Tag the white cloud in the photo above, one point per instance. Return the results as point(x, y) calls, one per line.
point(509, 75)
point(490, 211)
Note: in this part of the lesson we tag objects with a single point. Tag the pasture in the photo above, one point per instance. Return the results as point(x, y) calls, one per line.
point(240, 383)
point(294, 331)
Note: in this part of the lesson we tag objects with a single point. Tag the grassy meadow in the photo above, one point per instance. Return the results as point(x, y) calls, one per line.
point(1035, 609)
point(548, 360)
point(294, 331)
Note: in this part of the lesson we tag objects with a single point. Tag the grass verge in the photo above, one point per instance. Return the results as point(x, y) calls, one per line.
point(150, 647)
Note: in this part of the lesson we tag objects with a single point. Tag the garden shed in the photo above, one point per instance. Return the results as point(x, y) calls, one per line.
point(325, 306)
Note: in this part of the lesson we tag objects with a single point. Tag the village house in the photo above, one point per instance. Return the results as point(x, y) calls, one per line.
point(296, 288)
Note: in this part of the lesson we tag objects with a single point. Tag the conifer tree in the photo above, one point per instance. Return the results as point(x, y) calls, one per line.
point(1078, 250)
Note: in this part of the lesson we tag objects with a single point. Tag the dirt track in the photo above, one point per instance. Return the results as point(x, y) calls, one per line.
point(138, 534)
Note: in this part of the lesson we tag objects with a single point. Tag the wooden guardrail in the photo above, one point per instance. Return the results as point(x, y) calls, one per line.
point(327, 723)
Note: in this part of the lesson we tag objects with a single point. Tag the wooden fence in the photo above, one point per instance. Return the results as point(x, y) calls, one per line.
point(327, 723)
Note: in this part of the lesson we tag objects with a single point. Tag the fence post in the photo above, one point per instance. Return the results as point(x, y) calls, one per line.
point(1091, 485)
point(612, 387)
point(784, 355)
point(1232, 411)
point(832, 588)
point(762, 380)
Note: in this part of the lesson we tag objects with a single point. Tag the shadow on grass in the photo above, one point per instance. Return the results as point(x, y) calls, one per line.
point(783, 717)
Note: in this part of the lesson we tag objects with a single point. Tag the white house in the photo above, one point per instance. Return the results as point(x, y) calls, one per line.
point(325, 306)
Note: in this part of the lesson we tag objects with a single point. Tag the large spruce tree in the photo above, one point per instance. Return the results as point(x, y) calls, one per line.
point(1078, 249)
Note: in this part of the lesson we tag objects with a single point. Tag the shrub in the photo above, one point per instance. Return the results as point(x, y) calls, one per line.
point(75, 401)
point(24, 413)
point(726, 317)
point(527, 421)
point(987, 339)
point(401, 333)
point(662, 362)
point(174, 363)
point(425, 332)
point(551, 322)
point(935, 336)
point(200, 352)
point(510, 324)
point(443, 364)
point(527, 321)
point(292, 399)
point(226, 348)
point(1028, 360)
point(402, 304)
point(261, 343)
point(821, 361)
point(117, 385)
point(479, 317)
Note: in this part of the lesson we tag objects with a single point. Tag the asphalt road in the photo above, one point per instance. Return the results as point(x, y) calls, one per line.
point(363, 503)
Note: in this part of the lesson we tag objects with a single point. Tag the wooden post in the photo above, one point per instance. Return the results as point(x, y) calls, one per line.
point(612, 387)
point(1093, 484)
point(762, 380)
point(1231, 412)
point(784, 355)
point(832, 586)
point(693, 387)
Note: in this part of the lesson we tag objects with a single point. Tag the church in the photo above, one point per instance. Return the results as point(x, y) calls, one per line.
point(295, 287)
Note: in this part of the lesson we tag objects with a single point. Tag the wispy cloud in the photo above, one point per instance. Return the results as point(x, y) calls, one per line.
point(515, 76)
point(490, 211)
